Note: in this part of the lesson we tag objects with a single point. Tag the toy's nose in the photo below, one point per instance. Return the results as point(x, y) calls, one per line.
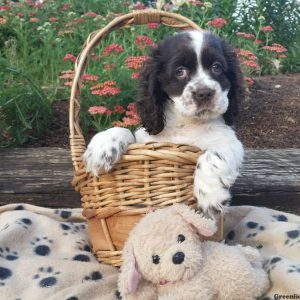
point(178, 258)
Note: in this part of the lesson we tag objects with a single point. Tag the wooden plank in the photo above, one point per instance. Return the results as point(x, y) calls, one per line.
point(42, 176)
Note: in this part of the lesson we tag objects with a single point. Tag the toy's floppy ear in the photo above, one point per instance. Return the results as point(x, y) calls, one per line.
point(203, 226)
point(129, 277)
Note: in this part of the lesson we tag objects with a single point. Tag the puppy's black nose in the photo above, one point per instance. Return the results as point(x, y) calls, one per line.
point(178, 258)
point(203, 94)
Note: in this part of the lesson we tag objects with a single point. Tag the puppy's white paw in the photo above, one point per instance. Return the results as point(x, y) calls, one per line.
point(212, 180)
point(106, 148)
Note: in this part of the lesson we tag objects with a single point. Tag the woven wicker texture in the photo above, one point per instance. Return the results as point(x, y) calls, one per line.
point(147, 177)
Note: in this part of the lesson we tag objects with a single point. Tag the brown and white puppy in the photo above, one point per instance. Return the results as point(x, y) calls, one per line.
point(190, 89)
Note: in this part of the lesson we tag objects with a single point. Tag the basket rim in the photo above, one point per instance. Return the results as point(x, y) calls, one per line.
point(139, 17)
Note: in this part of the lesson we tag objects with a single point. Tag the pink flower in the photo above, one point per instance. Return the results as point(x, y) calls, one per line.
point(138, 5)
point(89, 77)
point(90, 14)
point(249, 81)
point(99, 110)
point(130, 121)
point(113, 47)
point(196, 3)
point(107, 91)
point(246, 35)
point(34, 20)
point(267, 28)
point(135, 62)
point(135, 75)
point(217, 22)
point(79, 20)
point(152, 25)
point(142, 41)
point(119, 109)
point(275, 48)
point(70, 57)
point(52, 20)
point(250, 63)
point(4, 7)
point(20, 15)
point(66, 6)
point(103, 84)
point(246, 53)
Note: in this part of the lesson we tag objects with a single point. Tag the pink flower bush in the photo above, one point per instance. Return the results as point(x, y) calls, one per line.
point(135, 62)
point(267, 28)
point(112, 48)
point(217, 22)
point(99, 110)
point(70, 57)
point(246, 35)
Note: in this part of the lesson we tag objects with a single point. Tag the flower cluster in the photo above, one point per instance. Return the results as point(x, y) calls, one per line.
point(246, 35)
point(267, 28)
point(105, 88)
point(68, 77)
point(131, 117)
point(217, 22)
point(99, 110)
point(152, 25)
point(275, 48)
point(143, 41)
point(70, 57)
point(112, 48)
point(135, 62)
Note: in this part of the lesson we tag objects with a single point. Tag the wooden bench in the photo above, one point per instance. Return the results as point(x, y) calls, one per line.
point(42, 176)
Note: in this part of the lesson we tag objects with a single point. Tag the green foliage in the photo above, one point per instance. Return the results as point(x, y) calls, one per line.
point(24, 109)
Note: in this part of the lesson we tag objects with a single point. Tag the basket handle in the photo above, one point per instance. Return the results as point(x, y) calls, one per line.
point(77, 142)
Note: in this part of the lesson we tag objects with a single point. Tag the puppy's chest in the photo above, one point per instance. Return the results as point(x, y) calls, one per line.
point(191, 135)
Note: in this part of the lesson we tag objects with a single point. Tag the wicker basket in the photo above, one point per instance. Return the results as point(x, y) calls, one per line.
point(149, 176)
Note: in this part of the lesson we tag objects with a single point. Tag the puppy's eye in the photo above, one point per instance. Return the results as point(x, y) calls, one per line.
point(180, 238)
point(181, 73)
point(217, 68)
point(155, 259)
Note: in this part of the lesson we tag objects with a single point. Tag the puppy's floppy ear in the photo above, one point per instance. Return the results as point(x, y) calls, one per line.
point(153, 98)
point(129, 277)
point(236, 93)
point(204, 226)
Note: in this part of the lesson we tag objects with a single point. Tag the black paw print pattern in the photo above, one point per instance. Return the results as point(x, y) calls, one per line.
point(41, 246)
point(272, 263)
point(94, 276)
point(83, 245)
point(24, 222)
point(73, 298)
point(46, 277)
point(256, 226)
point(294, 269)
point(7, 254)
point(280, 218)
point(64, 214)
point(293, 237)
point(5, 274)
point(72, 228)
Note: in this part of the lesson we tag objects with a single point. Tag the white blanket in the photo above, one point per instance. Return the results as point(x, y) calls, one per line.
point(45, 253)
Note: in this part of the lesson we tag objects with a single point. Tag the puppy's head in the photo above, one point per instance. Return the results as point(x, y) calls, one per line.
point(197, 72)
point(164, 247)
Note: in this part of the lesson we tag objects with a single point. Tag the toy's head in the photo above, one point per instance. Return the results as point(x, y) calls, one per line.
point(165, 247)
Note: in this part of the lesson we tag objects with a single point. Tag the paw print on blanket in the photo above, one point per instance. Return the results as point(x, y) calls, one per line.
point(280, 218)
point(83, 245)
point(294, 269)
point(46, 277)
point(293, 237)
point(64, 214)
point(7, 254)
point(5, 274)
point(24, 222)
point(41, 246)
point(255, 226)
point(272, 263)
point(72, 228)
point(94, 276)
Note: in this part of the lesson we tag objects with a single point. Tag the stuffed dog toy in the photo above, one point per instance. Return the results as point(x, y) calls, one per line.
point(166, 258)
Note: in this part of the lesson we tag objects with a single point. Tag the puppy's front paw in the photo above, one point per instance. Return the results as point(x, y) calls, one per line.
point(106, 148)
